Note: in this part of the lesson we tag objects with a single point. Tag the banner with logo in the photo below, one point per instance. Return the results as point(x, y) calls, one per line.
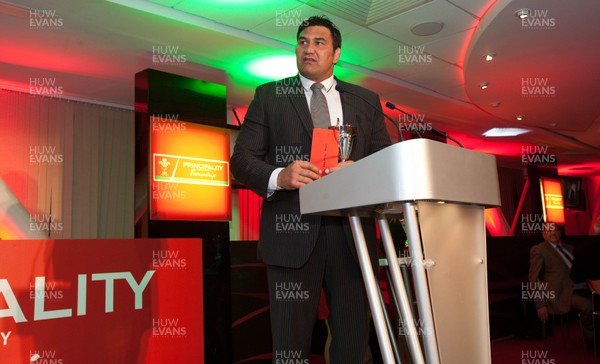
point(189, 177)
point(101, 301)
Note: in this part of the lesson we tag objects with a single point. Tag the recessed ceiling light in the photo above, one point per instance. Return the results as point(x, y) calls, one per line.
point(427, 28)
point(483, 85)
point(522, 13)
point(520, 117)
point(505, 132)
point(488, 57)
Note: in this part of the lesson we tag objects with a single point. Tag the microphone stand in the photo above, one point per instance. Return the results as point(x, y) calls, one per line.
point(391, 106)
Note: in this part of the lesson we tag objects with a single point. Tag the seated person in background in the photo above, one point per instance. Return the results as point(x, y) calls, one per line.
point(586, 261)
point(550, 270)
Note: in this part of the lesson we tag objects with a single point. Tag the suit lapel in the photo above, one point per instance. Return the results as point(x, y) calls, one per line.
point(345, 106)
point(301, 107)
point(350, 107)
point(557, 255)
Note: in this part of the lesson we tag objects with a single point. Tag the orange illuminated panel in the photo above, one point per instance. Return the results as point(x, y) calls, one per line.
point(552, 200)
point(189, 176)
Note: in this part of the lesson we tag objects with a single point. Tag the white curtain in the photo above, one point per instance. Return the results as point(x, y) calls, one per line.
point(70, 164)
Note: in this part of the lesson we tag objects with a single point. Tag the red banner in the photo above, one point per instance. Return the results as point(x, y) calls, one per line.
point(101, 301)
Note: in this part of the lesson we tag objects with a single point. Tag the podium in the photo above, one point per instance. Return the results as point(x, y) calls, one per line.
point(441, 191)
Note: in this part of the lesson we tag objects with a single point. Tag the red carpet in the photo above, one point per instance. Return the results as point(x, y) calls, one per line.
point(564, 347)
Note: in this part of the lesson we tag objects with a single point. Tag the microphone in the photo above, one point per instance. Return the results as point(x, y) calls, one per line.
point(391, 106)
point(341, 89)
point(237, 118)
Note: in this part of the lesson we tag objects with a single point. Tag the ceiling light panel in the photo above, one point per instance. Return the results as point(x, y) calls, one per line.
point(505, 132)
point(455, 21)
point(366, 12)
point(242, 14)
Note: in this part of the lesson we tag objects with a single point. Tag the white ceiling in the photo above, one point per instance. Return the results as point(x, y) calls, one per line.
point(98, 47)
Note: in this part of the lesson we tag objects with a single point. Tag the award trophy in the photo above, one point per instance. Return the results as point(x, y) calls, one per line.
point(345, 135)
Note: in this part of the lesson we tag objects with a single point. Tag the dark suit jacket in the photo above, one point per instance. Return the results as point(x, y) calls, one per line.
point(547, 266)
point(276, 131)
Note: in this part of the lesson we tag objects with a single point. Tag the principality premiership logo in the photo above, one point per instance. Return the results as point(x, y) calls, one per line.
point(181, 169)
point(164, 166)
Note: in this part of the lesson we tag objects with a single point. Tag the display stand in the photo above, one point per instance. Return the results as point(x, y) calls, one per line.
point(172, 106)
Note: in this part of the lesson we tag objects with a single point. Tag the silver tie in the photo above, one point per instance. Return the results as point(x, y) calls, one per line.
point(318, 107)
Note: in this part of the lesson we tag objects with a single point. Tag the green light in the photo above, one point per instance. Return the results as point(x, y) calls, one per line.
point(273, 67)
point(246, 3)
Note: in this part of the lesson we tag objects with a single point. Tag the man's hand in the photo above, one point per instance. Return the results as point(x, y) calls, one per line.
point(339, 166)
point(297, 174)
point(542, 313)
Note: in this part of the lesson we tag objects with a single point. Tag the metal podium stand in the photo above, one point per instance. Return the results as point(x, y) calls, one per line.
point(441, 191)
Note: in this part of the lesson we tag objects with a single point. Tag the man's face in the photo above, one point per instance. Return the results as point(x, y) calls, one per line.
point(315, 55)
point(552, 236)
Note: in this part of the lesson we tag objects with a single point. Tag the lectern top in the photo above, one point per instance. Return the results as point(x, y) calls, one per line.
point(418, 169)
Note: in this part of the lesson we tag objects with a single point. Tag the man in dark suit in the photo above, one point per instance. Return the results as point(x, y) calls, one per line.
point(549, 274)
point(307, 253)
